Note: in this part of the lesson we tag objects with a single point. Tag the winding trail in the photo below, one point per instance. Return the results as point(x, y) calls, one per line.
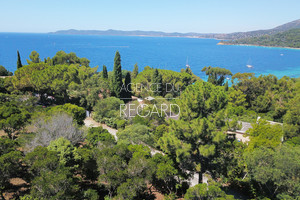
point(89, 122)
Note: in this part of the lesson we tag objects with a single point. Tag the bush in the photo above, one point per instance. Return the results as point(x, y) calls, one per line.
point(5, 72)
point(67, 153)
point(49, 129)
point(111, 122)
point(107, 108)
point(78, 113)
point(41, 159)
point(121, 123)
point(88, 164)
point(98, 134)
point(204, 191)
point(58, 184)
point(136, 134)
point(91, 194)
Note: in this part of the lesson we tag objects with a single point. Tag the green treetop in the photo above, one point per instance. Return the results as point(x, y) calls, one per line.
point(226, 86)
point(34, 57)
point(5, 72)
point(117, 76)
point(104, 72)
point(135, 71)
point(19, 63)
point(216, 75)
point(156, 83)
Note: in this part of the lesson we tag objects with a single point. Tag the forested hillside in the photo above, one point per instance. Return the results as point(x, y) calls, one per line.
point(289, 38)
point(49, 151)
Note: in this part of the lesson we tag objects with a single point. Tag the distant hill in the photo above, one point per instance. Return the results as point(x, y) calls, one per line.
point(290, 38)
point(130, 33)
point(285, 27)
point(231, 36)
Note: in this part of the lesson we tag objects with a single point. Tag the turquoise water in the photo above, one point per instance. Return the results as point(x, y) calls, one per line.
point(158, 52)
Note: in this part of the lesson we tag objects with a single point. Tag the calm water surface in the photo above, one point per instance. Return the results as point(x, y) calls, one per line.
point(158, 52)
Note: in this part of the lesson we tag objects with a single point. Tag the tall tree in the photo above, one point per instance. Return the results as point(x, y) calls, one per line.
point(19, 63)
point(192, 146)
point(12, 118)
point(34, 57)
point(56, 184)
point(226, 86)
point(216, 75)
point(201, 100)
point(135, 71)
point(127, 93)
point(277, 172)
point(104, 72)
point(117, 76)
point(156, 83)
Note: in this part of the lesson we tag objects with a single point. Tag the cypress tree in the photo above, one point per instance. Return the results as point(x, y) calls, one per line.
point(117, 76)
point(156, 83)
point(226, 86)
point(127, 94)
point(19, 63)
point(135, 71)
point(104, 72)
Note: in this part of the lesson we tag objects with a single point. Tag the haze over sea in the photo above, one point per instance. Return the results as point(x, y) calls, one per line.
point(158, 52)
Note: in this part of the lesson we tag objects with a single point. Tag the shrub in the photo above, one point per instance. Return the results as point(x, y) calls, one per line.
point(121, 123)
point(78, 113)
point(49, 129)
point(107, 108)
point(5, 72)
point(98, 134)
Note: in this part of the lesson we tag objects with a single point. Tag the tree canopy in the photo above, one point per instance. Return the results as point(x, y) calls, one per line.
point(216, 75)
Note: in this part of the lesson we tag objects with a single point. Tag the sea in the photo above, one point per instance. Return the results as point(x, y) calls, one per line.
point(172, 53)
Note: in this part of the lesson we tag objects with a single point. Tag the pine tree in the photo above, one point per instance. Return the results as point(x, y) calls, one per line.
point(135, 71)
point(19, 63)
point(117, 76)
point(216, 75)
point(156, 83)
point(34, 58)
point(104, 72)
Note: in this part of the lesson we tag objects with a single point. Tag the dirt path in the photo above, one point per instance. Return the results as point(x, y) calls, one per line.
point(89, 122)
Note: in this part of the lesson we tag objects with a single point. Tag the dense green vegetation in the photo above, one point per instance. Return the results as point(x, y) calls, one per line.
point(46, 144)
point(290, 38)
point(5, 72)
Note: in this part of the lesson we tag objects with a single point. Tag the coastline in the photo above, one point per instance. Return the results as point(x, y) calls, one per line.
point(253, 45)
point(155, 36)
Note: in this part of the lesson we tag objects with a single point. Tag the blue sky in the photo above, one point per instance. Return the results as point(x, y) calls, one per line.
point(204, 16)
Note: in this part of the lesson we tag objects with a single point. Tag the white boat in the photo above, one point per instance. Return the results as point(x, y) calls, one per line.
point(249, 64)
